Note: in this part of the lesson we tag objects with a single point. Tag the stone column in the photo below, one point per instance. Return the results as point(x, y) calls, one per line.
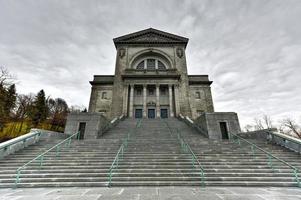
point(131, 100)
point(144, 100)
point(177, 100)
point(125, 99)
point(170, 101)
point(157, 100)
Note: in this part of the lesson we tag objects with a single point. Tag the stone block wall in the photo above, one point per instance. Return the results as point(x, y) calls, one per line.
point(95, 123)
point(200, 104)
point(100, 102)
point(210, 122)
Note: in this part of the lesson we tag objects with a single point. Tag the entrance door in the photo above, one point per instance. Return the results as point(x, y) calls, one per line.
point(164, 113)
point(81, 129)
point(224, 130)
point(151, 113)
point(138, 113)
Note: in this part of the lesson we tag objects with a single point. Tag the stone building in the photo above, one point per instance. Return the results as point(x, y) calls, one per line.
point(151, 79)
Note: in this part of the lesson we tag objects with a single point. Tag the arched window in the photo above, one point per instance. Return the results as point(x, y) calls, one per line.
point(161, 65)
point(151, 64)
point(140, 65)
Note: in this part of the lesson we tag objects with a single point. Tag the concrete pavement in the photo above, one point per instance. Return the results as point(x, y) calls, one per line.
point(152, 193)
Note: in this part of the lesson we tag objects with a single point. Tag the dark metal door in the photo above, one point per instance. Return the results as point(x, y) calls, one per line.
point(224, 130)
point(81, 129)
point(164, 113)
point(138, 113)
point(151, 113)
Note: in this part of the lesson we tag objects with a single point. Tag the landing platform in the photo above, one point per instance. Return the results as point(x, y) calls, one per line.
point(153, 193)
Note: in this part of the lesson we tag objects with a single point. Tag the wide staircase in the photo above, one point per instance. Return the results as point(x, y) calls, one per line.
point(153, 156)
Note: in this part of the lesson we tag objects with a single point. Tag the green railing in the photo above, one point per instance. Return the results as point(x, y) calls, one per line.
point(40, 157)
point(5, 146)
point(186, 149)
point(120, 152)
point(194, 160)
point(270, 157)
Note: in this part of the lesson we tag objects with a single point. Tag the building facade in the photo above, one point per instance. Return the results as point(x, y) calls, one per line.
point(151, 80)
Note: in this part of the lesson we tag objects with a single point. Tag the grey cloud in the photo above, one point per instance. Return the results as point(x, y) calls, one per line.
point(250, 49)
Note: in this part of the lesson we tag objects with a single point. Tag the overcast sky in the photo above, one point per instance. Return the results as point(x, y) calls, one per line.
point(251, 49)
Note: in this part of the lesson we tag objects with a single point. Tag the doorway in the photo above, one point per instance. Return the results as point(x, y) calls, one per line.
point(164, 113)
point(138, 113)
point(151, 113)
point(224, 130)
point(81, 129)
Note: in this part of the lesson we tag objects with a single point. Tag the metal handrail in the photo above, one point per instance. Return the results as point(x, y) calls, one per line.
point(40, 157)
point(186, 148)
point(269, 155)
point(120, 152)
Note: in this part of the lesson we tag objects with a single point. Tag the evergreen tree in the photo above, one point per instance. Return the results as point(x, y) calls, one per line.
point(39, 110)
point(10, 100)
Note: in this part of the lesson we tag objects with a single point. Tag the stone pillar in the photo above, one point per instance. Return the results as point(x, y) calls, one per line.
point(177, 99)
point(131, 100)
point(125, 99)
point(144, 100)
point(170, 101)
point(157, 100)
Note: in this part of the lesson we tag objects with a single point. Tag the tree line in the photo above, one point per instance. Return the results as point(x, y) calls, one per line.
point(21, 112)
point(287, 126)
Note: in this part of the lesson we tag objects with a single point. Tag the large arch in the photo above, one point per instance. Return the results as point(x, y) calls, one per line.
point(150, 53)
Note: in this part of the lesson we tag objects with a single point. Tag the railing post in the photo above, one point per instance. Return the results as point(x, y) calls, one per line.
point(58, 147)
point(192, 160)
point(297, 177)
point(252, 149)
point(69, 142)
point(77, 136)
point(110, 178)
point(270, 162)
point(24, 143)
point(17, 177)
point(117, 161)
point(41, 160)
point(202, 178)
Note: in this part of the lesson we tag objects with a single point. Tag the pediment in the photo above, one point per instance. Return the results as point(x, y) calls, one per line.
point(150, 36)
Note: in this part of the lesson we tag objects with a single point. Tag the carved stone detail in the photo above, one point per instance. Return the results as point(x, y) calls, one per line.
point(121, 52)
point(180, 52)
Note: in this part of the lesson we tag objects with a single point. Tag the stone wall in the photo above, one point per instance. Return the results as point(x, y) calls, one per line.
point(202, 104)
point(13, 145)
point(274, 137)
point(210, 122)
point(95, 124)
point(100, 102)
point(127, 61)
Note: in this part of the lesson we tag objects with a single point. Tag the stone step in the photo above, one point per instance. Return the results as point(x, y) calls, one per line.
point(143, 170)
point(150, 159)
point(153, 183)
point(153, 178)
point(144, 174)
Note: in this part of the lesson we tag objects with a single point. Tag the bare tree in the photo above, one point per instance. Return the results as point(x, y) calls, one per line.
point(6, 79)
point(58, 110)
point(248, 128)
point(24, 103)
point(267, 121)
point(258, 124)
point(77, 109)
point(289, 126)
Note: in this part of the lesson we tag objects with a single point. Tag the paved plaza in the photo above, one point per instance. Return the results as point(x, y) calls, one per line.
point(152, 193)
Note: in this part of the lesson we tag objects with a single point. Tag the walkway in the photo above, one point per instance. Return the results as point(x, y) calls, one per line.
point(152, 193)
